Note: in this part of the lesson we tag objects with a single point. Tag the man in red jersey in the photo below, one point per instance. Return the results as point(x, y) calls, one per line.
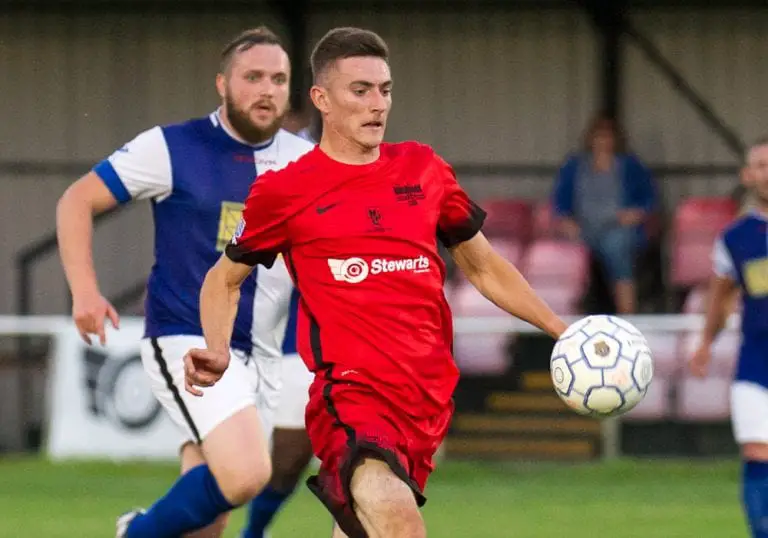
point(358, 222)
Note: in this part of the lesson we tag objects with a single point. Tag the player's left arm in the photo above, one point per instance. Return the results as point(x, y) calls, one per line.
point(502, 284)
point(498, 280)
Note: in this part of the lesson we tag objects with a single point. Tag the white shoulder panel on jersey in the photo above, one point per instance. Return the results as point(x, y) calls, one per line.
point(722, 262)
point(274, 286)
point(288, 147)
point(143, 166)
point(271, 304)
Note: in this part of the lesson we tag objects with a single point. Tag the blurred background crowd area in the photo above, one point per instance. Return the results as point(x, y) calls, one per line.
point(544, 108)
point(603, 138)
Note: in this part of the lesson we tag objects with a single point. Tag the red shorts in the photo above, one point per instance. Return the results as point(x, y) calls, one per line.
point(349, 421)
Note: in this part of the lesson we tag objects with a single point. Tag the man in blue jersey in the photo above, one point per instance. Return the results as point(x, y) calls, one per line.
point(197, 175)
point(740, 261)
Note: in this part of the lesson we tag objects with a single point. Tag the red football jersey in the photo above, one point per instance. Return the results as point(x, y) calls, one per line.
point(360, 242)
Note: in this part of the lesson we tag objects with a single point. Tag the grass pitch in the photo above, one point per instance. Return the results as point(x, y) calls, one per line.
point(625, 499)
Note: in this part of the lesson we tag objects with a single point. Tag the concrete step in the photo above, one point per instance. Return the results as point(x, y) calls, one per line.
point(557, 425)
point(521, 448)
point(522, 402)
point(536, 381)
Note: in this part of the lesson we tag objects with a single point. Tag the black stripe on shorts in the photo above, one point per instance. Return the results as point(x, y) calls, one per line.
point(163, 365)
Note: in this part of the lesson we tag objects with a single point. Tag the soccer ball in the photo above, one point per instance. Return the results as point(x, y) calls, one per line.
point(601, 366)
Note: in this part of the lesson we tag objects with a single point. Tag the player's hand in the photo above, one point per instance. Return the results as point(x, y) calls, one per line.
point(699, 363)
point(203, 368)
point(90, 312)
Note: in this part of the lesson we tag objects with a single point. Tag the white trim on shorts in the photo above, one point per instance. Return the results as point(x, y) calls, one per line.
point(749, 412)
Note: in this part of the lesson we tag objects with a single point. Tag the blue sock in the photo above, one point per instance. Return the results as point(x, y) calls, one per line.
point(193, 502)
point(262, 509)
point(755, 497)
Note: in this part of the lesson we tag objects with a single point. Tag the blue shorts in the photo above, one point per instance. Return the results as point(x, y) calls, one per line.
point(616, 249)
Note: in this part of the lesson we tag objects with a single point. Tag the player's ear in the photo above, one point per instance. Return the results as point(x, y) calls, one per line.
point(221, 85)
point(319, 96)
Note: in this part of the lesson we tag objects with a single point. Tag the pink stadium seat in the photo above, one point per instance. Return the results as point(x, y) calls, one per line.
point(655, 405)
point(703, 400)
point(466, 301)
point(696, 224)
point(691, 262)
point(509, 249)
point(563, 300)
point(552, 262)
point(725, 352)
point(558, 271)
point(699, 215)
point(477, 353)
point(481, 353)
point(543, 220)
point(665, 349)
point(508, 218)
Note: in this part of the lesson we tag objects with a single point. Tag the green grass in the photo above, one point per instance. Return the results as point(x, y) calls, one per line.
point(627, 499)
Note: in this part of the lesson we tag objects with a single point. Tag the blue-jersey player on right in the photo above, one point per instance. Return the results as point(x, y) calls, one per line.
point(740, 260)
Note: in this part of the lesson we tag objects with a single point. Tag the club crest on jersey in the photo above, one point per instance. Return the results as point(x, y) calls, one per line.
point(375, 215)
point(408, 193)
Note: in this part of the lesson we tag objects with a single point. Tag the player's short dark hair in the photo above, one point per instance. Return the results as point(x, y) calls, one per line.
point(346, 42)
point(246, 40)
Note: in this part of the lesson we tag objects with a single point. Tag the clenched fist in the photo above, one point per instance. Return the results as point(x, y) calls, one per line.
point(203, 368)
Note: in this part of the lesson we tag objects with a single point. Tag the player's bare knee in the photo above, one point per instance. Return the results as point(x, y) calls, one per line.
point(242, 481)
point(191, 455)
point(755, 451)
point(237, 454)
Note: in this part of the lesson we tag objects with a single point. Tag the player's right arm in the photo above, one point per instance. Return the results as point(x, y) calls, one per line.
point(87, 197)
point(141, 169)
point(260, 237)
point(722, 288)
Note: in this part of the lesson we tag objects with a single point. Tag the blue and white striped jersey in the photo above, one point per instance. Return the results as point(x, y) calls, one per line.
point(197, 176)
point(741, 254)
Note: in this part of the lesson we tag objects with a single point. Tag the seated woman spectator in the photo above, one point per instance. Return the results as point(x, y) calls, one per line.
point(603, 196)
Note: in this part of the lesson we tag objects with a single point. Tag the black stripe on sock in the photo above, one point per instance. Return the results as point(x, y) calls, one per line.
point(174, 389)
